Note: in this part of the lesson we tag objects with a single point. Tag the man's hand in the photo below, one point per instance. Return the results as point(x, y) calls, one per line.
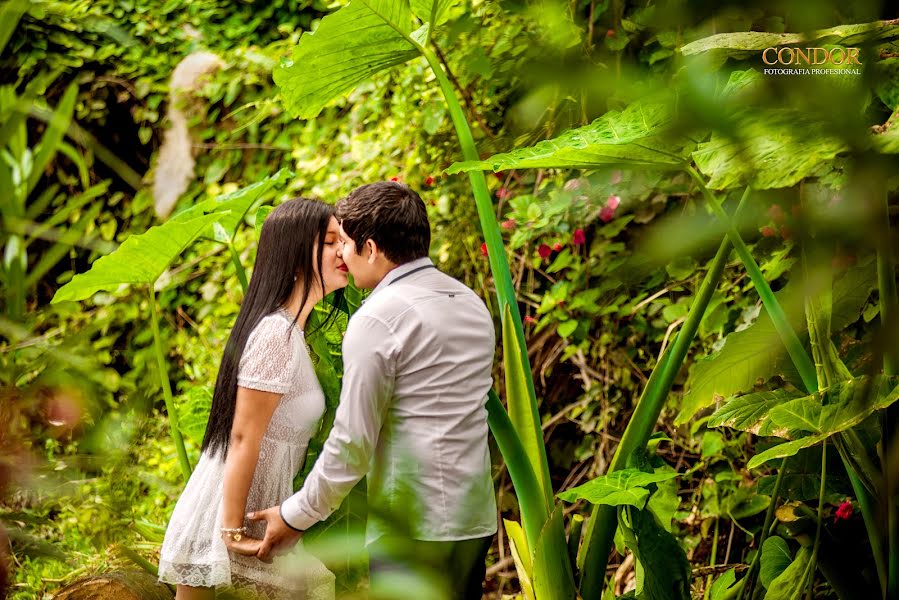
point(279, 537)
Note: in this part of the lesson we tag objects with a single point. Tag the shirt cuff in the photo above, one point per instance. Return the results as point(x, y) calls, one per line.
point(295, 517)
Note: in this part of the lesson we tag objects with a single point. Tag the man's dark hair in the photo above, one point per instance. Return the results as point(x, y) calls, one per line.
point(392, 215)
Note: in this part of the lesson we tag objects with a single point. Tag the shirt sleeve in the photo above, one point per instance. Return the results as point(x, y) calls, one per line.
point(267, 361)
point(369, 356)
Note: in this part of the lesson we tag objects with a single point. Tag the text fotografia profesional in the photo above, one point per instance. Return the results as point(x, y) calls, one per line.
point(803, 59)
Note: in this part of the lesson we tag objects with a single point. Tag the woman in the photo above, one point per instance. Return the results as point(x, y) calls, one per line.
point(266, 406)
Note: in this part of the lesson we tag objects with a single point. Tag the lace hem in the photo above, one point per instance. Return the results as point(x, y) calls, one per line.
point(210, 575)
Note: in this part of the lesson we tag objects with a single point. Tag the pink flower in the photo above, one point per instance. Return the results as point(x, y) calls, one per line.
point(608, 211)
point(429, 181)
point(529, 319)
point(484, 249)
point(557, 247)
point(579, 237)
point(544, 251)
point(509, 224)
point(767, 231)
point(616, 177)
point(503, 193)
point(843, 512)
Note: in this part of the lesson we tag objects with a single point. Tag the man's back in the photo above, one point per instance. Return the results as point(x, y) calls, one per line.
point(436, 340)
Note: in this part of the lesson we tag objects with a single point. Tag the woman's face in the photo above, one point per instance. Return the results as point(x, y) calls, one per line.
point(334, 270)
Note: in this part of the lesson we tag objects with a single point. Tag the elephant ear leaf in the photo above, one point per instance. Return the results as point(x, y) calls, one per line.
point(349, 46)
point(434, 12)
point(140, 259)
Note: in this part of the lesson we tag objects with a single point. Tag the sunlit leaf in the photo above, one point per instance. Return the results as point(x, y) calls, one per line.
point(640, 135)
point(627, 486)
point(349, 46)
point(750, 412)
point(521, 556)
point(832, 410)
point(141, 259)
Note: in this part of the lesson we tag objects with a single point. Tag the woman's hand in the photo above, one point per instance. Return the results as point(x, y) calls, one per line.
point(247, 546)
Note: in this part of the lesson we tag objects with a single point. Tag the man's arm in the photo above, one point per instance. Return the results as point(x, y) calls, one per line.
point(369, 354)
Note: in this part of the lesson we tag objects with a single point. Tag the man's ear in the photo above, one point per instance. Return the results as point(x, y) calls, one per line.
point(373, 251)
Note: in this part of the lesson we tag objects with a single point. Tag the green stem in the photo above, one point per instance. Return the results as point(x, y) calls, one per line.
point(603, 522)
point(712, 560)
point(868, 515)
point(241, 272)
point(749, 587)
point(170, 407)
point(499, 266)
point(810, 572)
point(530, 498)
point(797, 353)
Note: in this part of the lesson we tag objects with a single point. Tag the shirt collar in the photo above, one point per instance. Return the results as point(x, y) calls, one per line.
point(399, 271)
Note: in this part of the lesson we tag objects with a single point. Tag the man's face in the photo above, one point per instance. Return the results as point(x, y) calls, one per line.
point(362, 267)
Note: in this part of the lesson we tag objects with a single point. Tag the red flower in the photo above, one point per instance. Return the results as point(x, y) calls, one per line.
point(394, 179)
point(610, 33)
point(767, 231)
point(579, 237)
point(544, 251)
point(509, 224)
point(785, 232)
point(776, 213)
point(607, 214)
point(503, 193)
point(557, 247)
point(484, 249)
point(530, 319)
point(429, 181)
point(843, 512)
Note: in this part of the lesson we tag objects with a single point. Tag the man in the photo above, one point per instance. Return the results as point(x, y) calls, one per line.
point(418, 356)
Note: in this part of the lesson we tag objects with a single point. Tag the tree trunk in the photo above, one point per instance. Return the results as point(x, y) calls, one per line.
point(119, 585)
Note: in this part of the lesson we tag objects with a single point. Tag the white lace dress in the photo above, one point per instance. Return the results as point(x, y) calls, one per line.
point(275, 360)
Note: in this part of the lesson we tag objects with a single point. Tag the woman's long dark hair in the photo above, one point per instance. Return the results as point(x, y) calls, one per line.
point(284, 257)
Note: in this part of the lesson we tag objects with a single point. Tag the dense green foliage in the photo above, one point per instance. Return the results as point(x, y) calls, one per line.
point(612, 232)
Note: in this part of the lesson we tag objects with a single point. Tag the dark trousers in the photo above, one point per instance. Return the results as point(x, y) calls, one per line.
point(456, 568)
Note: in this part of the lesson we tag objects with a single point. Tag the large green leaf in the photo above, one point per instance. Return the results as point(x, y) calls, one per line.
point(141, 259)
point(748, 44)
point(832, 410)
point(553, 577)
point(349, 46)
point(522, 407)
point(663, 570)
point(750, 412)
point(756, 353)
point(232, 207)
point(433, 12)
point(637, 136)
point(776, 558)
point(624, 487)
point(770, 149)
point(790, 585)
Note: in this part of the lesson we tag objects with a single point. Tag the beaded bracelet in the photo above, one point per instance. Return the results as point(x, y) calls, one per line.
point(234, 534)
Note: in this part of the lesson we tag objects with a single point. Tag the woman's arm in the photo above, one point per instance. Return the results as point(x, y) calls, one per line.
point(252, 413)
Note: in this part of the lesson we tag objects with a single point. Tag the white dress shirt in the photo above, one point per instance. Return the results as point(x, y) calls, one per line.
point(418, 356)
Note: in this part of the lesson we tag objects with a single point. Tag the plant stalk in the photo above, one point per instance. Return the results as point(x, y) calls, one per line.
point(170, 407)
point(751, 579)
point(603, 522)
point(812, 565)
point(241, 272)
point(499, 265)
point(797, 353)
